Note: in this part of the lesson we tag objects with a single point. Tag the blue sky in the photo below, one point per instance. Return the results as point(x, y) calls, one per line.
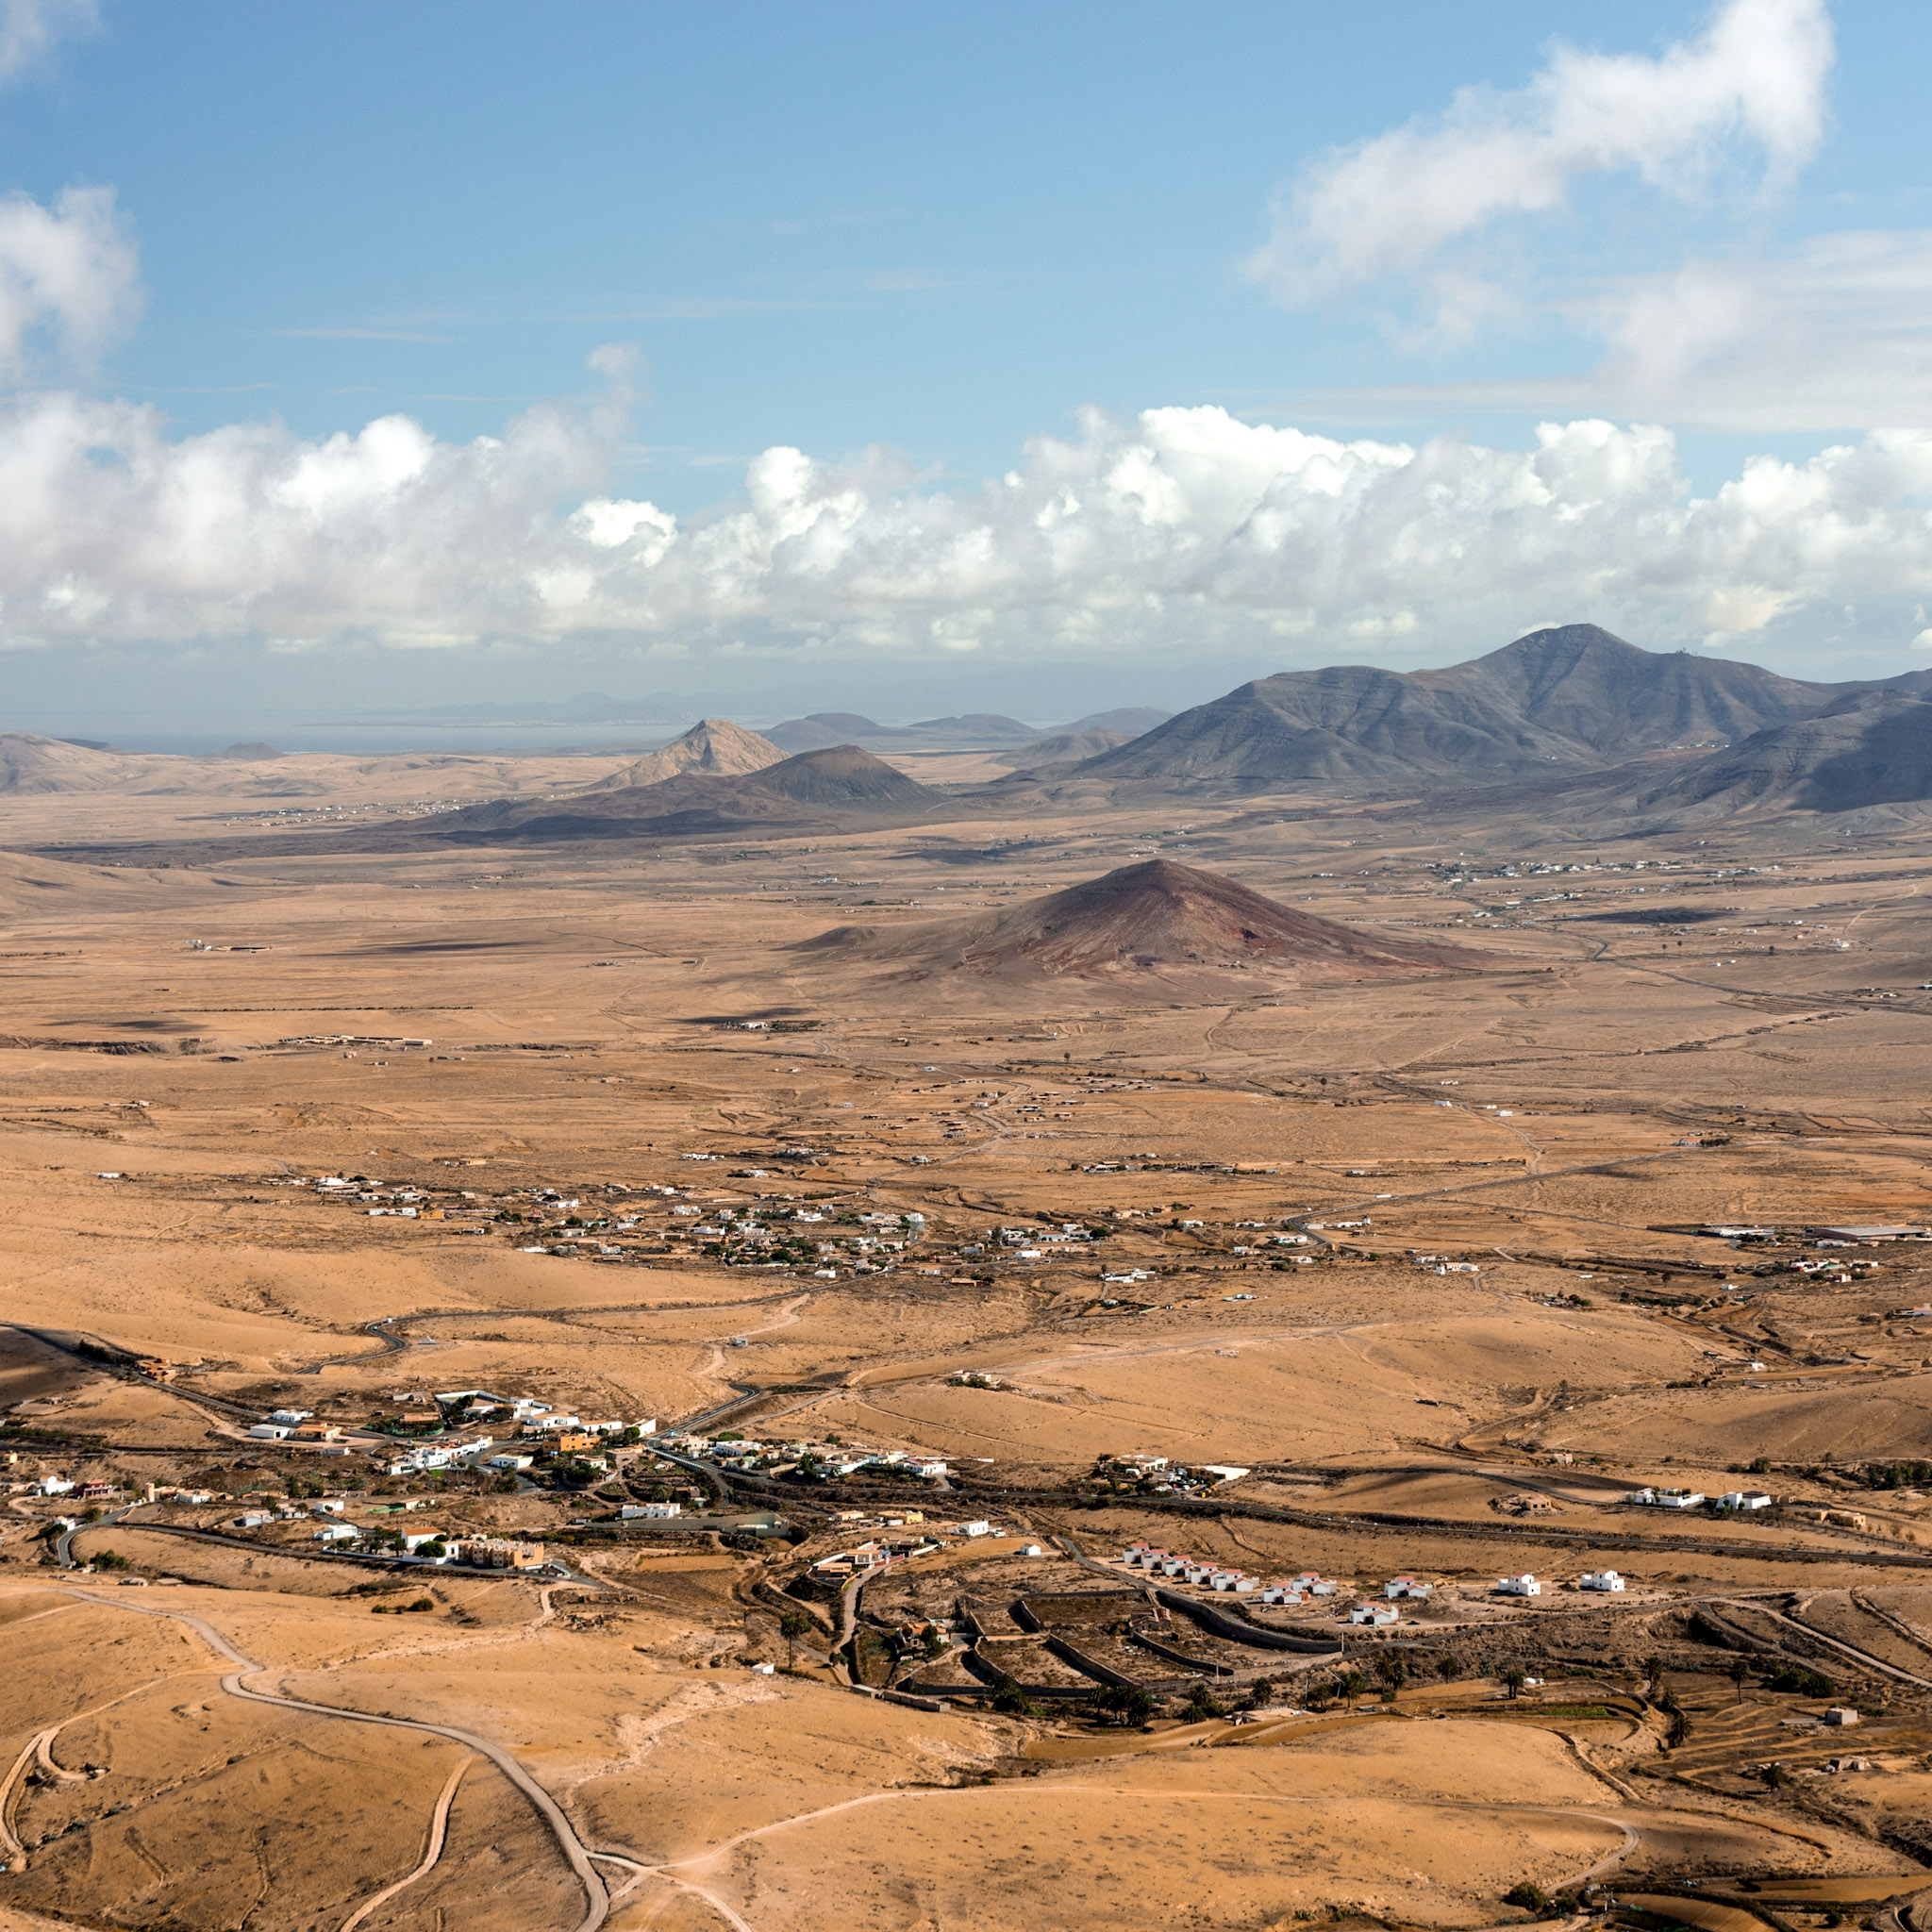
point(842, 269)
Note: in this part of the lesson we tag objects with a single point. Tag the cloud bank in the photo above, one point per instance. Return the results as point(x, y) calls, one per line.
point(1179, 527)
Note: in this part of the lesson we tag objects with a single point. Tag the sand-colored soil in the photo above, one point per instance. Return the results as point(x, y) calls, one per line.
point(547, 1053)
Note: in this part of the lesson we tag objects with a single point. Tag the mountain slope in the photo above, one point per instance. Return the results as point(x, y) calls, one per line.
point(1143, 919)
point(714, 745)
point(1571, 698)
point(842, 786)
point(1872, 748)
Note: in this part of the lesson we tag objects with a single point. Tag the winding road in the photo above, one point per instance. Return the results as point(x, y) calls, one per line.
point(579, 1856)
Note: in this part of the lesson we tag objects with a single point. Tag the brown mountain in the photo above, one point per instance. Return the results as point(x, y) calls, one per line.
point(1060, 748)
point(1572, 698)
point(843, 786)
point(713, 745)
point(1874, 747)
point(1156, 918)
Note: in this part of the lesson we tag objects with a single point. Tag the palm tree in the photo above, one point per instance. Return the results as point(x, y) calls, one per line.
point(792, 1626)
point(1737, 1674)
point(1353, 1685)
point(1515, 1677)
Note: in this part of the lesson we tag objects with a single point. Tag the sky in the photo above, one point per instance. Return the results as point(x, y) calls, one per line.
point(361, 360)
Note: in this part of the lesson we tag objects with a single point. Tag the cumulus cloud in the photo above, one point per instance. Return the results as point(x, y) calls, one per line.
point(1182, 526)
point(70, 280)
point(1393, 204)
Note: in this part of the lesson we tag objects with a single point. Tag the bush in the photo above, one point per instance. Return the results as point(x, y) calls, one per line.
point(1202, 1704)
point(1798, 1680)
point(1011, 1701)
point(1527, 1894)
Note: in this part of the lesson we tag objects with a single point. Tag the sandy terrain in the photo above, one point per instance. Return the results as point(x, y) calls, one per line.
point(1426, 1254)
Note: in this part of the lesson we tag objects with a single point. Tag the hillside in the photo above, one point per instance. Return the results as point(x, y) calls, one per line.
point(1874, 747)
point(30, 763)
point(1573, 698)
point(1143, 919)
point(1060, 748)
point(841, 785)
point(713, 745)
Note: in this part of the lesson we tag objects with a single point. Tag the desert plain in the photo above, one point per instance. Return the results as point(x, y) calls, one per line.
point(565, 1373)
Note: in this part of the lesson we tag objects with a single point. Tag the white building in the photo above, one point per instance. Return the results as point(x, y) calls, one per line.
point(1743, 1499)
point(1601, 1579)
point(1525, 1585)
point(655, 1512)
point(1400, 1587)
point(1379, 1615)
point(337, 1533)
point(273, 1432)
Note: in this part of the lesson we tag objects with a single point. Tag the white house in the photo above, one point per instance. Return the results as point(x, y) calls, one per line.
point(1377, 1614)
point(631, 1512)
point(1281, 1593)
point(979, 1527)
point(1601, 1579)
point(273, 1432)
point(53, 1486)
point(413, 1540)
point(1743, 1499)
point(1525, 1585)
point(1399, 1587)
point(508, 1461)
point(337, 1533)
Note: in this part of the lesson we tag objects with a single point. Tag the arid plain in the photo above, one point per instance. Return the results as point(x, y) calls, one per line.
point(948, 1258)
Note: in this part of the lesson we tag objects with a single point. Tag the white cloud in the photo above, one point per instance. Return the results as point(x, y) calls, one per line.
point(1393, 204)
point(1833, 332)
point(70, 280)
point(1184, 527)
point(31, 29)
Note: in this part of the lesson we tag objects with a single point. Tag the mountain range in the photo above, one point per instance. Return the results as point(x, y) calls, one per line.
point(1570, 699)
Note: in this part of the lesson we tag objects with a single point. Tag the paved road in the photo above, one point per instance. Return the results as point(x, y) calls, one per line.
point(596, 1895)
point(63, 1544)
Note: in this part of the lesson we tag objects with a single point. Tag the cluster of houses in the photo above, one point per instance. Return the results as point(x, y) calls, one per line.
point(1158, 1562)
point(830, 1461)
point(1735, 1501)
point(459, 1410)
point(1216, 1577)
point(876, 1553)
point(433, 1546)
point(1165, 1477)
